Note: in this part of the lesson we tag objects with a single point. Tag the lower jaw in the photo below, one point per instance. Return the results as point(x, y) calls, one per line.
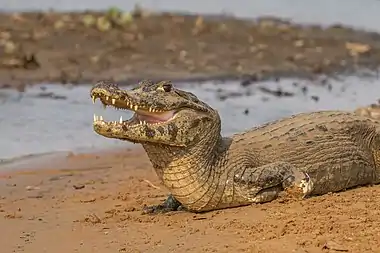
point(106, 125)
point(136, 120)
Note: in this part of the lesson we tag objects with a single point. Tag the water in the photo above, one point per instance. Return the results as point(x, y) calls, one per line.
point(326, 12)
point(39, 124)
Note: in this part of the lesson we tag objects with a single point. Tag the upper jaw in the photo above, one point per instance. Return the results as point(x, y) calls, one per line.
point(143, 114)
point(121, 100)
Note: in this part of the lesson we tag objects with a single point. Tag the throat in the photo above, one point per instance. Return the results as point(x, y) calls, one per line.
point(186, 172)
point(165, 158)
point(154, 117)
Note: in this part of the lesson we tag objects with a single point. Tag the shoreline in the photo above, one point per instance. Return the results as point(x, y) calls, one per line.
point(127, 47)
point(35, 163)
point(40, 161)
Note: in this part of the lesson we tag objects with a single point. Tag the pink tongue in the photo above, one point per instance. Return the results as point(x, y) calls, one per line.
point(154, 117)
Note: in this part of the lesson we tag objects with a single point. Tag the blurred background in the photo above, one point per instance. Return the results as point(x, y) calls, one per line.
point(325, 12)
point(254, 61)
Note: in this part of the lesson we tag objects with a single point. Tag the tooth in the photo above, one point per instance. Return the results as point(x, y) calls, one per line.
point(121, 119)
point(107, 97)
point(94, 117)
point(144, 122)
point(101, 118)
point(150, 109)
point(135, 107)
point(93, 99)
point(113, 101)
point(140, 122)
point(131, 106)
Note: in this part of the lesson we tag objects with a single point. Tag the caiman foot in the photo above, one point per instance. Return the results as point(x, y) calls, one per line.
point(265, 183)
point(169, 205)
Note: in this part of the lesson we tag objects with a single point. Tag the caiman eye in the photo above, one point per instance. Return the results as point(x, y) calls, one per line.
point(167, 87)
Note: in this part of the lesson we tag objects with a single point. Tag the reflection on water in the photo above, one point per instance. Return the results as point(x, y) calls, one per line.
point(60, 119)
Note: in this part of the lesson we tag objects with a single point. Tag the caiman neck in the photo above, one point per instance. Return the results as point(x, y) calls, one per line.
point(186, 171)
point(165, 158)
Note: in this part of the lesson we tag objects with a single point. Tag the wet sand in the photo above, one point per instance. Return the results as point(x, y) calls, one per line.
point(85, 47)
point(93, 202)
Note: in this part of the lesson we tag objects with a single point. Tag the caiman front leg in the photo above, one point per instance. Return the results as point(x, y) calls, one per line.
point(264, 183)
point(169, 205)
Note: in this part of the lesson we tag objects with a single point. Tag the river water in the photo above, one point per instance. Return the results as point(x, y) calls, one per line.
point(61, 118)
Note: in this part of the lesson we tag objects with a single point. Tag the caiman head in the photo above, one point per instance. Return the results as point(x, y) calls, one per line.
point(163, 114)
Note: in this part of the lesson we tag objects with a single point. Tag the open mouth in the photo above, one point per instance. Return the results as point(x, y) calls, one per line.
point(141, 116)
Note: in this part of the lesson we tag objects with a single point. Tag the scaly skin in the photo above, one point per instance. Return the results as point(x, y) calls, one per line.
point(307, 154)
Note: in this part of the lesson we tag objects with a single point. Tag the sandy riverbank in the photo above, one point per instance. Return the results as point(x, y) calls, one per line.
point(92, 203)
point(85, 47)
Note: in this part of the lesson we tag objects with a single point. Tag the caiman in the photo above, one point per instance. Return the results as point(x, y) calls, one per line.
point(307, 154)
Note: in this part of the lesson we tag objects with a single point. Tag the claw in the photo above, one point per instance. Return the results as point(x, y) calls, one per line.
point(306, 185)
point(169, 205)
point(299, 184)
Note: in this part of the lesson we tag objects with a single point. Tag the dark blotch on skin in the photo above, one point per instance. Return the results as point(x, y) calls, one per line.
point(159, 104)
point(205, 120)
point(149, 132)
point(161, 130)
point(173, 131)
point(195, 123)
